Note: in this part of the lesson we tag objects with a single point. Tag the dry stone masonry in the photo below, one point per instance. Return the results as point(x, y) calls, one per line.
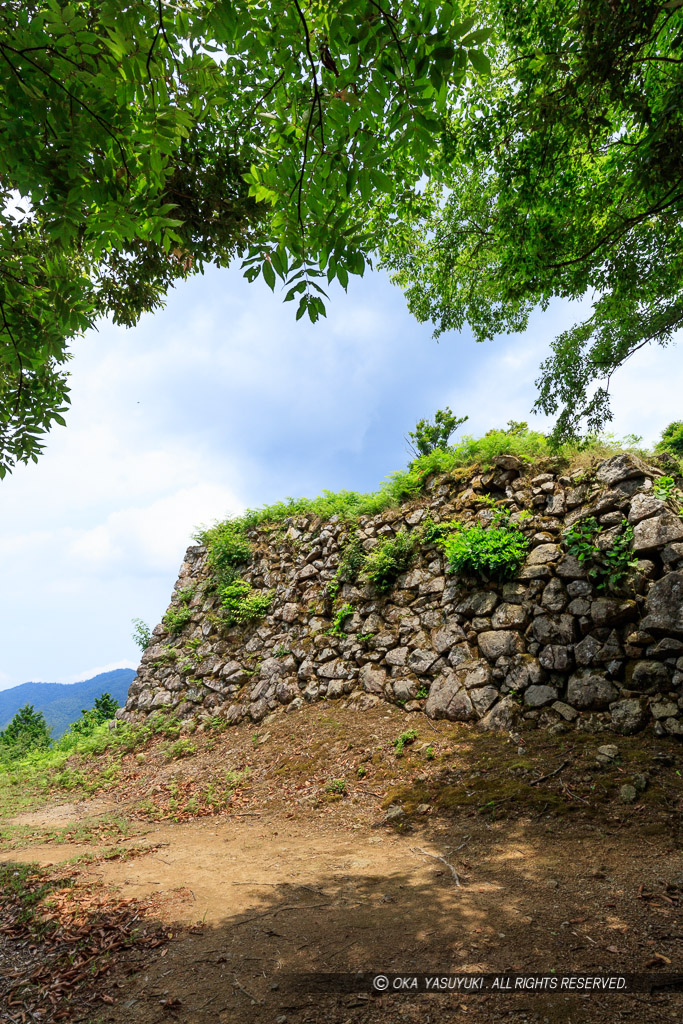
point(546, 650)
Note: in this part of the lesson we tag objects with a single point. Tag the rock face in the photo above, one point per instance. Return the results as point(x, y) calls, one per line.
point(546, 649)
point(664, 605)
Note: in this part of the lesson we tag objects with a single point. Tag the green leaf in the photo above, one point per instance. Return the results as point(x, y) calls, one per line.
point(269, 274)
point(479, 62)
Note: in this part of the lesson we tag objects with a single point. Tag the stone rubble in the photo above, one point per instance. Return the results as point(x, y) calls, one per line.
point(546, 650)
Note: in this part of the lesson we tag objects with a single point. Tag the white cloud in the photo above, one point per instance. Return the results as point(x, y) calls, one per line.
point(151, 537)
point(88, 673)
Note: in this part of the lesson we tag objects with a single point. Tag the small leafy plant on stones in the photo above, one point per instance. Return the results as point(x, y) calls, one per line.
point(242, 604)
point(191, 648)
point(142, 635)
point(665, 489)
point(176, 619)
point(608, 568)
point(168, 655)
point(388, 560)
point(228, 552)
point(337, 627)
point(350, 566)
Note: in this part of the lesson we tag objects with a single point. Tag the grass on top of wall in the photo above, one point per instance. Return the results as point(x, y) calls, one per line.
point(470, 452)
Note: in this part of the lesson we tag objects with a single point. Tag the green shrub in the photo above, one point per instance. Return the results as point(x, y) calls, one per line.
point(181, 748)
point(496, 551)
point(664, 488)
point(242, 604)
point(102, 711)
point(350, 566)
point(388, 560)
point(672, 439)
point(228, 550)
point(337, 786)
point(528, 445)
point(176, 619)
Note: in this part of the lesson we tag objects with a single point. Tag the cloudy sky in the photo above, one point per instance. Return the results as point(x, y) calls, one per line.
point(220, 402)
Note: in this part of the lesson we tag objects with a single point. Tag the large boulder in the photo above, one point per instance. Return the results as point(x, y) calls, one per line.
point(372, 678)
point(621, 467)
point(481, 602)
point(643, 506)
point(502, 715)
point(590, 690)
point(538, 696)
point(496, 642)
point(657, 532)
point(449, 699)
point(628, 716)
point(543, 554)
point(509, 616)
point(647, 677)
point(446, 637)
point(482, 698)
point(608, 611)
point(664, 605)
point(549, 629)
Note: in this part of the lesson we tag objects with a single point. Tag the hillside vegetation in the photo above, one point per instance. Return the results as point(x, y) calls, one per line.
point(61, 703)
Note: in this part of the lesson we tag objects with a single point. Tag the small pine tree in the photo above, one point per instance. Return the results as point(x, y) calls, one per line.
point(103, 710)
point(27, 731)
point(427, 436)
point(105, 707)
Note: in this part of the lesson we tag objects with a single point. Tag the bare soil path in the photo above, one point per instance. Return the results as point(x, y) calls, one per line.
point(484, 868)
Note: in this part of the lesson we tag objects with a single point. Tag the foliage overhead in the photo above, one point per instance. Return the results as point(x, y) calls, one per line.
point(146, 138)
point(562, 175)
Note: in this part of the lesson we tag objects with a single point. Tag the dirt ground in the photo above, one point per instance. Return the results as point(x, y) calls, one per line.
point(498, 856)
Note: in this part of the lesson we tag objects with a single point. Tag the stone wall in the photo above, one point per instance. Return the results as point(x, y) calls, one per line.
point(548, 649)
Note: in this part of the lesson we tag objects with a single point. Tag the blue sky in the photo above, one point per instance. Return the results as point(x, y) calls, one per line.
point(220, 402)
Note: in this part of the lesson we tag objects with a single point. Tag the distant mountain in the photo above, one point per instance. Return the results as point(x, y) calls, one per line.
point(61, 703)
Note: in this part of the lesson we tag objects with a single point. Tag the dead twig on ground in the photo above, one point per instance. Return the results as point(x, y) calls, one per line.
point(280, 910)
point(236, 984)
point(535, 782)
point(443, 860)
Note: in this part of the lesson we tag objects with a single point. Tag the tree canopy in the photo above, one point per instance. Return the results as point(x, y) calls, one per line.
point(27, 731)
point(562, 175)
point(142, 139)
